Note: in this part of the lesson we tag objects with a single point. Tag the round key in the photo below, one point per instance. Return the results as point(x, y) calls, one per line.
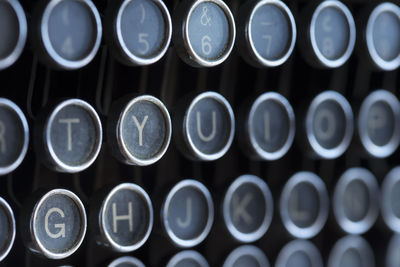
point(125, 218)
point(188, 213)
point(299, 253)
point(7, 228)
point(248, 208)
point(269, 127)
point(126, 261)
point(139, 130)
point(351, 251)
point(392, 258)
point(378, 126)
point(204, 32)
point(14, 136)
point(188, 258)
point(67, 33)
point(208, 126)
point(331, 33)
point(249, 256)
point(69, 138)
point(390, 203)
point(139, 31)
point(13, 32)
point(356, 201)
point(266, 32)
point(329, 125)
point(55, 225)
point(304, 205)
point(383, 36)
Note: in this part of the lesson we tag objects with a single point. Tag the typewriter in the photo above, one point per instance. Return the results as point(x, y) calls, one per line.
point(196, 133)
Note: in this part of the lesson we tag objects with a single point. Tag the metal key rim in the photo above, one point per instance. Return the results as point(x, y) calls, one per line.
point(246, 250)
point(390, 180)
point(299, 245)
point(11, 220)
point(192, 254)
point(131, 260)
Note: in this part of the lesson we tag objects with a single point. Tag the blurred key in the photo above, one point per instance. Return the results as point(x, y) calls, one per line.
point(7, 229)
point(246, 256)
point(299, 253)
point(126, 261)
point(392, 254)
point(390, 202)
point(188, 258)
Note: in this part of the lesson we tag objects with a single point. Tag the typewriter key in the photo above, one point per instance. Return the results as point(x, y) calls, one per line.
point(299, 253)
point(351, 251)
point(13, 32)
point(248, 208)
point(7, 229)
point(383, 36)
point(188, 213)
point(378, 124)
point(14, 136)
point(356, 201)
point(126, 261)
point(70, 137)
point(266, 32)
point(329, 125)
point(390, 204)
point(54, 226)
point(139, 130)
point(392, 254)
point(68, 32)
point(125, 218)
point(249, 256)
point(204, 32)
point(139, 31)
point(304, 205)
point(188, 258)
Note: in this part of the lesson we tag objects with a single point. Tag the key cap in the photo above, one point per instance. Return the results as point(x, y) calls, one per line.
point(304, 205)
point(139, 130)
point(14, 136)
point(390, 204)
point(248, 208)
point(69, 137)
point(188, 213)
point(204, 32)
point(7, 229)
point(188, 258)
point(266, 33)
point(392, 258)
point(124, 220)
point(356, 201)
point(126, 261)
point(54, 223)
point(299, 253)
point(138, 31)
point(66, 33)
point(247, 255)
point(13, 32)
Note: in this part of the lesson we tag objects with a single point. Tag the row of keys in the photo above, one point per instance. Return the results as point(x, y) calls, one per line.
point(67, 34)
point(54, 223)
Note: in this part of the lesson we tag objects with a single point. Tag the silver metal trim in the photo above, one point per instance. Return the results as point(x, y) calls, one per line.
point(319, 186)
point(284, 103)
point(356, 243)
point(58, 164)
point(102, 217)
point(269, 205)
point(394, 104)
point(38, 244)
point(286, 11)
point(193, 56)
point(335, 63)
point(192, 254)
point(299, 245)
point(377, 60)
point(126, 259)
point(196, 152)
point(340, 100)
point(391, 179)
point(138, 60)
point(164, 213)
point(130, 159)
point(247, 250)
point(392, 251)
point(23, 33)
point(368, 179)
point(11, 220)
point(54, 56)
point(14, 108)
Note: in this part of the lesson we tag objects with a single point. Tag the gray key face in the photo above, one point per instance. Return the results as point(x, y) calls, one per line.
point(246, 261)
point(351, 258)
point(59, 224)
point(303, 205)
point(356, 201)
point(380, 123)
point(127, 217)
point(5, 230)
point(329, 124)
point(144, 130)
point(393, 255)
point(395, 201)
point(208, 31)
point(187, 263)
point(332, 33)
point(9, 29)
point(72, 30)
point(298, 259)
point(386, 35)
point(143, 27)
point(271, 32)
